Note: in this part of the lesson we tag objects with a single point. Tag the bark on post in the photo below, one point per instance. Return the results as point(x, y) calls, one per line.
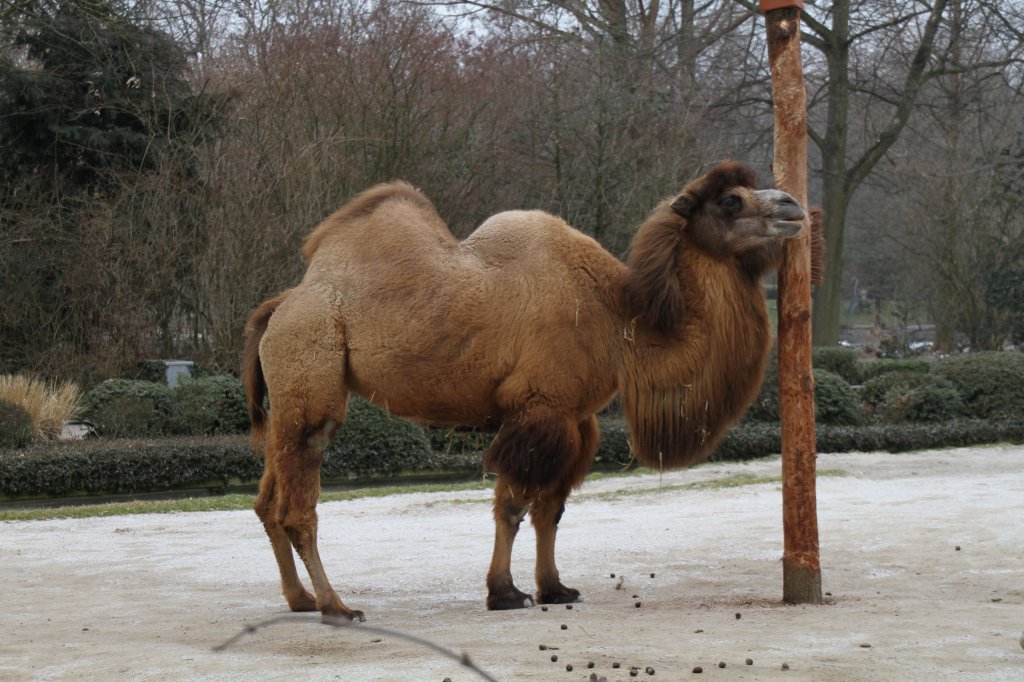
point(801, 570)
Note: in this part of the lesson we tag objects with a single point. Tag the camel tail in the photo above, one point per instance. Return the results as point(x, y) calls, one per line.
point(252, 369)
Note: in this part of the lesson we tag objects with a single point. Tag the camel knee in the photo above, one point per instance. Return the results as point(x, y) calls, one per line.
point(510, 511)
point(317, 438)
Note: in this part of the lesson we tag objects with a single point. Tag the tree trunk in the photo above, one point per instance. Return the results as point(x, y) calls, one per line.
point(828, 296)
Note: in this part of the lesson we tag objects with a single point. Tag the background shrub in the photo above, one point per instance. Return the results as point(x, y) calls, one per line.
point(991, 384)
point(912, 397)
point(835, 401)
point(933, 401)
point(210, 405)
point(874, 368)
point(16, 426)
point(765, 407)
point(125, 408)
point(373, 442)
point(838, 360)
point(614, 450)
point(874, 390)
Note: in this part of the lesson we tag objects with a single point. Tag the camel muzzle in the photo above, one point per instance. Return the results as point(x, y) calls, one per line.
point(784, 216)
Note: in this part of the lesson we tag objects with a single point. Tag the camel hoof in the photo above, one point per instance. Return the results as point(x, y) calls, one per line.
point(341, 618)
point(513, 599)
point(565, 595)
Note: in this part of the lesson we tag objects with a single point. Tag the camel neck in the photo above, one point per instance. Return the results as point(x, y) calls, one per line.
point(682, 391)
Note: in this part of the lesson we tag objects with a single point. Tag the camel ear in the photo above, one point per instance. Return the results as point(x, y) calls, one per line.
point(684, 204)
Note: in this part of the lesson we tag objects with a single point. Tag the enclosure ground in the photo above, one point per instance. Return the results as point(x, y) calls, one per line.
point(922, 556)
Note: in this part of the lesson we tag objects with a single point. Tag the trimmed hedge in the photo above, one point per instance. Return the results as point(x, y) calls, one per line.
point(107, 466)
point(16, 425)
point(121, 408)
point(750, 441)
point(110, 466)
point(211, 405)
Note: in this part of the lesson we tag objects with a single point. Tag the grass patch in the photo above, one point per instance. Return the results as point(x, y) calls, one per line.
point(232, 502)
point(735, 481)
point(239, 501)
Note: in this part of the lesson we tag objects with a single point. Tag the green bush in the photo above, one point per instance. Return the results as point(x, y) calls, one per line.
point(912, 397)
point(838, 360)
point(932, 401)
point(874, 390)
point(16, 425)
point(613, 450)
point(211, 405)
point(147, 370)
point(991, 384)
point(875, 368)
point(835, 401)
point(121, 408)
point(373, 442)
point(765, 407)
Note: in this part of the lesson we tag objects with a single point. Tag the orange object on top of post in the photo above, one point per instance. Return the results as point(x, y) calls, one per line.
point(767, 5)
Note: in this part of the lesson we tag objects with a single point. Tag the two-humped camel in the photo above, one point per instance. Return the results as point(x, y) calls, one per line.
point(527, 325)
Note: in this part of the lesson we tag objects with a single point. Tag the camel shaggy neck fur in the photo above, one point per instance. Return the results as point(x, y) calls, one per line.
point(528, 325)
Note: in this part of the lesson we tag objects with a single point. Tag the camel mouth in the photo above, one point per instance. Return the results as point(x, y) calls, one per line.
point(785, 228)
point(780, 207)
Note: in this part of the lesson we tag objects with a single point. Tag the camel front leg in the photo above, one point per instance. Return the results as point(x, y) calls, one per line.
point(545, 514)
point(510, 506)
point(548, 505)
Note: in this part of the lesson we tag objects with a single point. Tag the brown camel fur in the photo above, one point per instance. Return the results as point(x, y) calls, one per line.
point(527, 325)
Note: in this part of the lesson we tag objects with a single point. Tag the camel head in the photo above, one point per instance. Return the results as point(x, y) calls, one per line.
point(721, 215)
point(726, 216)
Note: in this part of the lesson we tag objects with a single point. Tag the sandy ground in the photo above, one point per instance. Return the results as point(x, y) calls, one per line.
point(922, 554)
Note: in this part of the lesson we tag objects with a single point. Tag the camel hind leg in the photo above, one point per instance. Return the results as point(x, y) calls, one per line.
point(286, 504)
point(303, 363)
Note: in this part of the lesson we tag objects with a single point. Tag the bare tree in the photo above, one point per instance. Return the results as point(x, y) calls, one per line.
point(877, 58)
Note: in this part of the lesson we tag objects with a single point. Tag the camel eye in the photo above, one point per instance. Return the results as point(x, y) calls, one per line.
point(730, 203)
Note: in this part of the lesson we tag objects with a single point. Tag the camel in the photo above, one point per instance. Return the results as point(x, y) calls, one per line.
point(527, 325)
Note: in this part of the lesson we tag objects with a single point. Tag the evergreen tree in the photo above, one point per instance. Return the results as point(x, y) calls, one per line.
point(99, 132)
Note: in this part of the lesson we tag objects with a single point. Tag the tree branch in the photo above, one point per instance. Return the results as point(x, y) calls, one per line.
point(912, 85)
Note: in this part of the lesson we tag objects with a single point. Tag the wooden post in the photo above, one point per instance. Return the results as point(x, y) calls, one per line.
point(801, 570)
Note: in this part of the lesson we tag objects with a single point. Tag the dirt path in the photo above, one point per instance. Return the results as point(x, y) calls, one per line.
point(147, 597)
